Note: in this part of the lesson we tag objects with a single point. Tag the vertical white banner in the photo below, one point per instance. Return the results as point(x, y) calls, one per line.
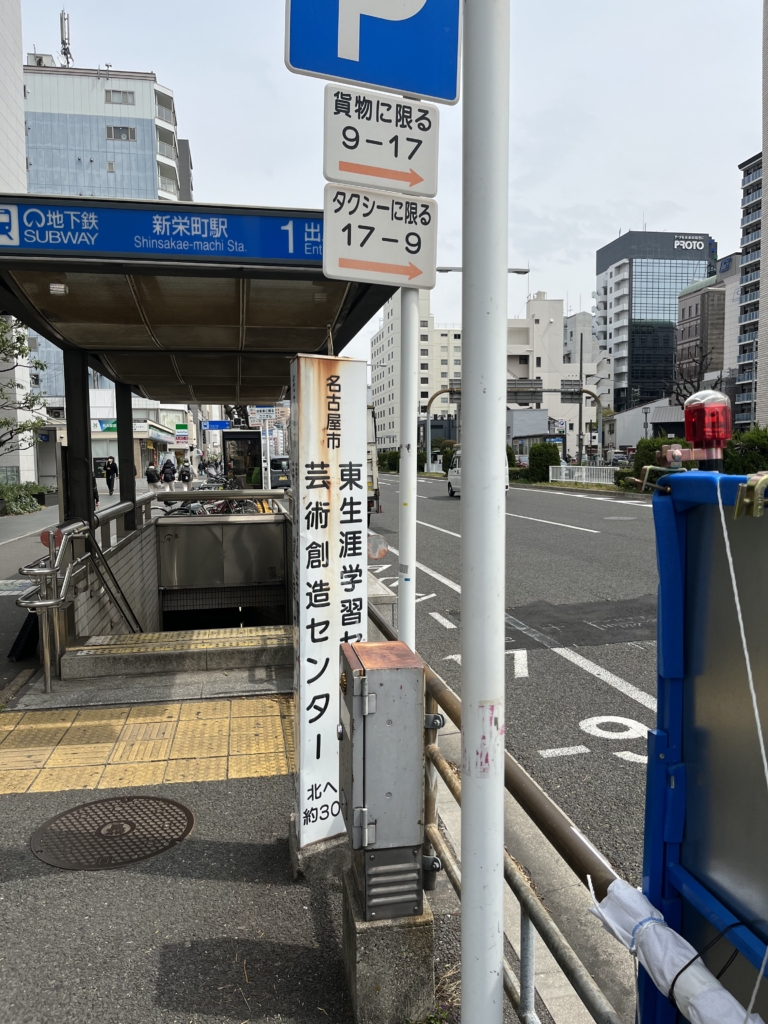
point(330, 569)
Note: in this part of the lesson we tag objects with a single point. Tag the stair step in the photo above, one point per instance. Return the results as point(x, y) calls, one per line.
point(187, 651)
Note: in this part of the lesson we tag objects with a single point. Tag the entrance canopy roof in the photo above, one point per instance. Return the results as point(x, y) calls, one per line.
point(181, 301)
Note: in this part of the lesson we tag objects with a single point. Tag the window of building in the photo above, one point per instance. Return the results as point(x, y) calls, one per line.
point(457, 362)
point(425, 380)
point(444, 375)
point(444, 335)
point(424, 366)
point(697, 309)
point(444, 401)
point(119, 96)
point(536, 321)
point(443, 348)
point(523, 360)
point(538, 361)
point(425, 337)
point(425, 351)
point(443, 362)
point(117, 134)
point(457, 337)
point(110, 166)
point(425, 394)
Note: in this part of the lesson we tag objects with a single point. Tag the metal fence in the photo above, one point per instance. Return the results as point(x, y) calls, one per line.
point(581, 474)
point(575, 849)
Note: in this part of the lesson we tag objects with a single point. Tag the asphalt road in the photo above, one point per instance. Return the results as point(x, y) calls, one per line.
point(581, 652)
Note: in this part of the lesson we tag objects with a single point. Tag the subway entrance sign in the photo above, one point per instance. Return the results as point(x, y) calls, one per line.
point(143, 231)
point(404, 46)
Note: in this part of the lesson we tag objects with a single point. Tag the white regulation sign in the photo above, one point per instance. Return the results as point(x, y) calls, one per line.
point(380, 141)
point(330, 569)
point(379, 238)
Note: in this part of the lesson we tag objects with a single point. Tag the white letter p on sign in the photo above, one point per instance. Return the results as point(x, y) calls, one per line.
point(350, 12)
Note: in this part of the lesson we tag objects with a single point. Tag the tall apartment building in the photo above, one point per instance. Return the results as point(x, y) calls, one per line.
point(439, 362)
point(639, 278)
point(13, 168)
point(746, 411)
point(101, 133)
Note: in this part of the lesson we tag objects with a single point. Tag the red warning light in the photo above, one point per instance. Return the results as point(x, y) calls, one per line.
point(708, 420)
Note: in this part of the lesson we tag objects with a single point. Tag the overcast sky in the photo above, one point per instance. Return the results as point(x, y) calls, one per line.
point(619, 111)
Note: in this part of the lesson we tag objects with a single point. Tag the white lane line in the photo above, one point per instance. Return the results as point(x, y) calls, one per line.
point(431, 572)
point(453, 657)
point(549, 522)
point(449, 532)
point(521, 664)
point(381, 568)
point(587, 497)
point(442, 620)
point(34, 533)
point(424, 597)
point(563, 751)
point(628, 755)
point(633, 692)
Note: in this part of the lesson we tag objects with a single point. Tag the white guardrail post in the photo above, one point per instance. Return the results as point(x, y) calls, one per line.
point(483, 529)
point(582, 474)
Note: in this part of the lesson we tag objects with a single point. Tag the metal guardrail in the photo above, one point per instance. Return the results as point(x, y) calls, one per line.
point(582, 474)
point(554, 824)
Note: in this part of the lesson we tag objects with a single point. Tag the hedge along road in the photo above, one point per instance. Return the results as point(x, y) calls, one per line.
point(581, 667)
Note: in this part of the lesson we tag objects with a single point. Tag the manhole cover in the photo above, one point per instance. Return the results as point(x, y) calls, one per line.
point(111, 833)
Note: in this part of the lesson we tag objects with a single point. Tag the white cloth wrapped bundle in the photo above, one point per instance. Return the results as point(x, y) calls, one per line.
point(635, 922)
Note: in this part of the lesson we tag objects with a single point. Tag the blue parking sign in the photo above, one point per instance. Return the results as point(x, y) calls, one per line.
point(403, 46)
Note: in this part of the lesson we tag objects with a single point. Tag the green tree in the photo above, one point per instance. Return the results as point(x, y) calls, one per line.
point(748, 452)
point(540, 458)
point(647, 448)
point(19, 406)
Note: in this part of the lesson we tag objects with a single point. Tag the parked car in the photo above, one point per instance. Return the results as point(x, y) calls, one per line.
point(620, 461)
point(454, 475)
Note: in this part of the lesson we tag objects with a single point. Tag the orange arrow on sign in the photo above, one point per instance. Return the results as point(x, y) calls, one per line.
point(382, 172)
point(381, 268)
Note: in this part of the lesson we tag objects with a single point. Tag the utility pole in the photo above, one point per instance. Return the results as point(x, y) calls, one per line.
point(409, 461)
point(483, 413)
point(646, 410)
point(581, 397)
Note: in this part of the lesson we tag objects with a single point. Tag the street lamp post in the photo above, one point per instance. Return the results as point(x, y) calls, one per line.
point(646, 411)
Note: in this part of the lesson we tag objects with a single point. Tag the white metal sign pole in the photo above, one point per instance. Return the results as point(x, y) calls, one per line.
point(409, 371)
point(483, 400)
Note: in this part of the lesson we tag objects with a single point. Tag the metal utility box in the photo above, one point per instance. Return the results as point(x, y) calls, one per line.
point(381, 770)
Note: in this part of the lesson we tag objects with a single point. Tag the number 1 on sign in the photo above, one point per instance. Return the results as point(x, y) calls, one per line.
point(289, 228)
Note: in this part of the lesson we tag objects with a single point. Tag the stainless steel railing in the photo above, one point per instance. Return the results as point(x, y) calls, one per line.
point(554, 824)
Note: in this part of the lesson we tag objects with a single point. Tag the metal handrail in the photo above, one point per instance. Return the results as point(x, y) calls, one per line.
point(552, 821)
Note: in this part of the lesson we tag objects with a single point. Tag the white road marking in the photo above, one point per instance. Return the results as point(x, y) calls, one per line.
point(453, 657)
point(587, 497)
point(424, 597)
point(627, 755)
point(442, 620)
point(521, 664)
point(633, 692)
point(563, 751)
point(628, 729)
point(449, 532)
point(549, 522)
point(381, 568)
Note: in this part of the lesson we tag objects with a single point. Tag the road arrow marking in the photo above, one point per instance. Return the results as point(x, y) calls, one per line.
point(382, 172)
point(385, 268)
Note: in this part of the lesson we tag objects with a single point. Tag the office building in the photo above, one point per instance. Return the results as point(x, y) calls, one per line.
point(700, 329)
point(639, 278)
point(537, 350)
point(101, 133)
point(439, 363)
point(13, 166)
point(748, 357)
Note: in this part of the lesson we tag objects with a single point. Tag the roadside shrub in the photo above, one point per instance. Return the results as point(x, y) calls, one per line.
point(421, 461)
point(449, 449)
point(382, 460)
point(20, 498)
point(647, 448)
point(393, 461)
point(540, 458)
point(748, 452)
point(621, 479)
point(517, 474)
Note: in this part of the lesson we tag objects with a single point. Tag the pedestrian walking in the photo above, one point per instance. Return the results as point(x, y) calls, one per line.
point(153, 478)
point(168, 475)
point(110, 472)
point(185, 476)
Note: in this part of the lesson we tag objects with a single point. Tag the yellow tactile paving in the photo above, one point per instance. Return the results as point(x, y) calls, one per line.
point(146, 745)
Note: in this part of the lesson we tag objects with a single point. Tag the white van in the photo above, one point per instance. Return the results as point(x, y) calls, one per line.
point(454, 475)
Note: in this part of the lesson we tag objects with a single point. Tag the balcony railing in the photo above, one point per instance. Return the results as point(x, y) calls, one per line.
point(745, 357)
point(164, 114)
point(745, 378)
point(745, 396)
point(745, 339)
point(749, 257)
point(752, 197)
point(752, 176)
point(753, 314)
point(742, 417)
point(751, 217)
point(749, 278)
point(747, 297)
point(165, 150)
point(749, 239)
point(167, 184)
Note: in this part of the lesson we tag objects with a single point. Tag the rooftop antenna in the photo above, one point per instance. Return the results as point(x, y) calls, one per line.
point(66, 52)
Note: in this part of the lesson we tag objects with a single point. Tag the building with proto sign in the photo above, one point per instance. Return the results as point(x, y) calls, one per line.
point(639, 278)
